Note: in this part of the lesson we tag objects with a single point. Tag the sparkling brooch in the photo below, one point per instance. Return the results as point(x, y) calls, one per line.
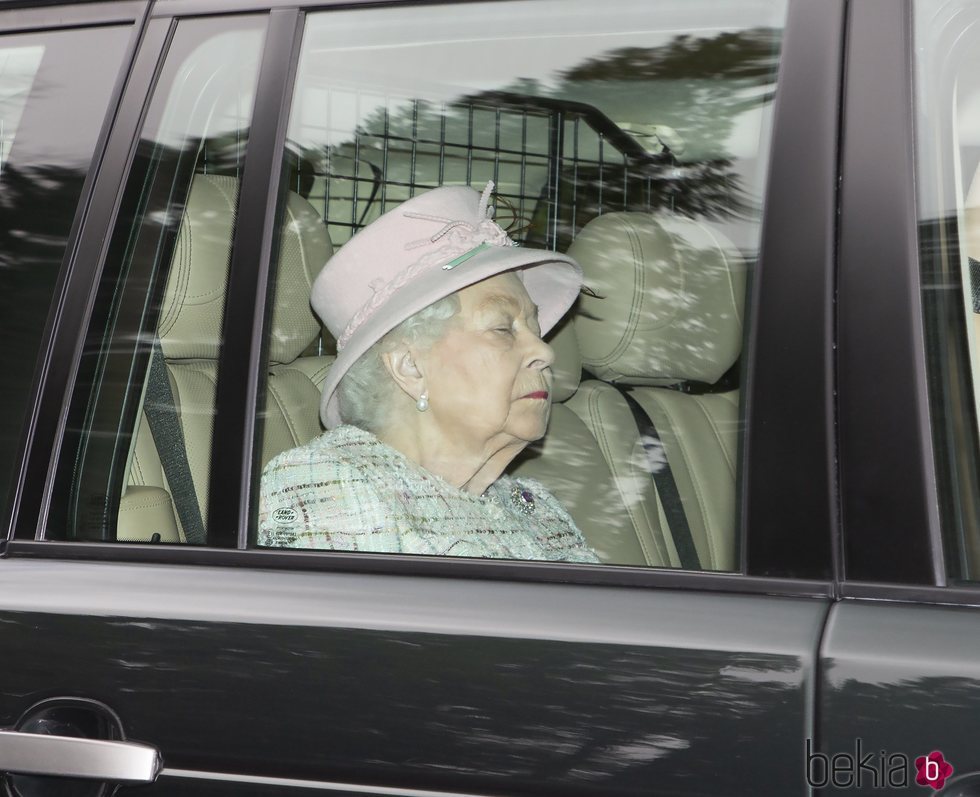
point(523, 499)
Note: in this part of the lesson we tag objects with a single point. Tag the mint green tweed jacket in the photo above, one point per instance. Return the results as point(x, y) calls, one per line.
point(348, 491)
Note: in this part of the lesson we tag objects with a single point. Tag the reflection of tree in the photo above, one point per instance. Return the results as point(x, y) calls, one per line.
point(910, 716)
point(712, 80)
point(442, 711)
point(699, 87)
point(37, 205)
point(748, 54)
point(688, 331)
point(30, 198)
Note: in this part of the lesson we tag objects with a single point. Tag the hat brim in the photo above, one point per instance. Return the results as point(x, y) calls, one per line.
point(552, 280)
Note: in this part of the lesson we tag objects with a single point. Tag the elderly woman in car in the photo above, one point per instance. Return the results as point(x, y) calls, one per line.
point(441, 379)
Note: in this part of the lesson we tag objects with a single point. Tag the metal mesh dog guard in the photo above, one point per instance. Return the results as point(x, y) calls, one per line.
point(556, 164)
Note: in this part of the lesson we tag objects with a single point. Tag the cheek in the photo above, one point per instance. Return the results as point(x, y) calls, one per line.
point(490, 381)
point(481, 381)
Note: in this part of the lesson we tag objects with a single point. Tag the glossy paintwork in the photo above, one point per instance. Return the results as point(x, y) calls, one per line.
point(886, 456)
point(903, 678)
point(258, 682)
point(790, 378)
point(420, 683)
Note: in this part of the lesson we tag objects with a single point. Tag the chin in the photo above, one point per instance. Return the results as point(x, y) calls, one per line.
point(531, 432)
point(529, 426)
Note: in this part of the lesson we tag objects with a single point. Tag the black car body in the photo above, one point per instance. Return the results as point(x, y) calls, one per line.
point(848, 626)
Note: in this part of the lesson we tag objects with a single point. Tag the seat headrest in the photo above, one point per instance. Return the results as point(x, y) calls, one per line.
point(304, 249)
point(193, 303)
point(670, 294)
point(567, 368)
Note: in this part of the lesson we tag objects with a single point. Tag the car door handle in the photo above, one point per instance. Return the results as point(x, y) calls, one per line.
point(70, 757)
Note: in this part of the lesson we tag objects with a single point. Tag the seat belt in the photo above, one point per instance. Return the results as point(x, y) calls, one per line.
point(663, 480)
point(168, 435)
point(975, 283)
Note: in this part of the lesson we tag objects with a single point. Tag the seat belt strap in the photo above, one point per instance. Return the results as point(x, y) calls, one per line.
point(663, 480)
point(168, 435)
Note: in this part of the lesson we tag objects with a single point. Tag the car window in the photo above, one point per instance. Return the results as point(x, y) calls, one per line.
point(947, 55)
point(632, 140)
point(55, 88)
point(136, 458)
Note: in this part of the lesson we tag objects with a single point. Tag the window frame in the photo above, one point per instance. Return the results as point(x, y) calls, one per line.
point(85, 257)
point(770, 566)
point(31, 465)
point(889, 498)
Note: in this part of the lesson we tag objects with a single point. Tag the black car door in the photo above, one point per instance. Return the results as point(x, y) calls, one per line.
point(899, 677)
point(225, 668)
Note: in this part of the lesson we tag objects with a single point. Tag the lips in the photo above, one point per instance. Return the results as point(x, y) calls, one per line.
point(537, 394)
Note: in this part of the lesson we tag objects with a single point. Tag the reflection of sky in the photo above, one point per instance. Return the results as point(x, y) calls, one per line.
point(968, 116)
point(419, 52)
point(223, 66)
point(45, 117)
point(18, 65)
point(33, 146)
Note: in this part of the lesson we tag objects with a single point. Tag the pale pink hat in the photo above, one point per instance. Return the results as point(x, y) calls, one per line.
point(425, 249)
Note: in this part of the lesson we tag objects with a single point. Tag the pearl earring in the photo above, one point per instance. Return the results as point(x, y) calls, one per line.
point(423, 403)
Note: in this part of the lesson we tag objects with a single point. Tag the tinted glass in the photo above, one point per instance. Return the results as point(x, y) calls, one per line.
point(136, 460)
point(54, 91)
point(947, 49)
point(633, 137)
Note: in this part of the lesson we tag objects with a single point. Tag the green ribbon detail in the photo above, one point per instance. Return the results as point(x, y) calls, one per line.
point(464, 257)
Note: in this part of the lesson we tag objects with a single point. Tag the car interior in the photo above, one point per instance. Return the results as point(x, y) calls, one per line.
point(643, 382)
point(644, 435)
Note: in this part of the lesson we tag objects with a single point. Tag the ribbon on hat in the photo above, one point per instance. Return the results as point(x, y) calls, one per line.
point(462, 242)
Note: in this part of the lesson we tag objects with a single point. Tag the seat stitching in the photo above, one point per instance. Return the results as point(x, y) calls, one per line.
point(636, 247)
point(726, 254)
point(308, 278)
point(180, 287)
point(138, 469)
point(594, 414)
point(699, 402)
point(698, 492)
point(150, 505)
point(285, 414)
point(231, 201)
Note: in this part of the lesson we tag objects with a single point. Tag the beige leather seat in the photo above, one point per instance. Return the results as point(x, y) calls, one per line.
point(667, 312)
point(673, 314)
point(570, 463)
point(190, 334)
point(971, 241)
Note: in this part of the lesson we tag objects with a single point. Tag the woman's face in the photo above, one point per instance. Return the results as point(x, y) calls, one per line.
point(489, 376)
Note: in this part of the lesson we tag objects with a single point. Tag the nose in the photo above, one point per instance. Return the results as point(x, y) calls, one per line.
point(540, 355)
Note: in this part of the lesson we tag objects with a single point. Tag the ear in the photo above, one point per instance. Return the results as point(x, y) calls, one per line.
point(403, 369)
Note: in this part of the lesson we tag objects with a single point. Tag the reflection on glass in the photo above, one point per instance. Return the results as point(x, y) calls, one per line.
point(54, 91)
point(434, 99)
point(18, 66)
point(633, 139)
point(947, 50)
point(149, 365)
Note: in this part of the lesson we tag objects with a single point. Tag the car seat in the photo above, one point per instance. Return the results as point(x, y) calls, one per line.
point(570, 463)
point(189, 331)
point(659, 327)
